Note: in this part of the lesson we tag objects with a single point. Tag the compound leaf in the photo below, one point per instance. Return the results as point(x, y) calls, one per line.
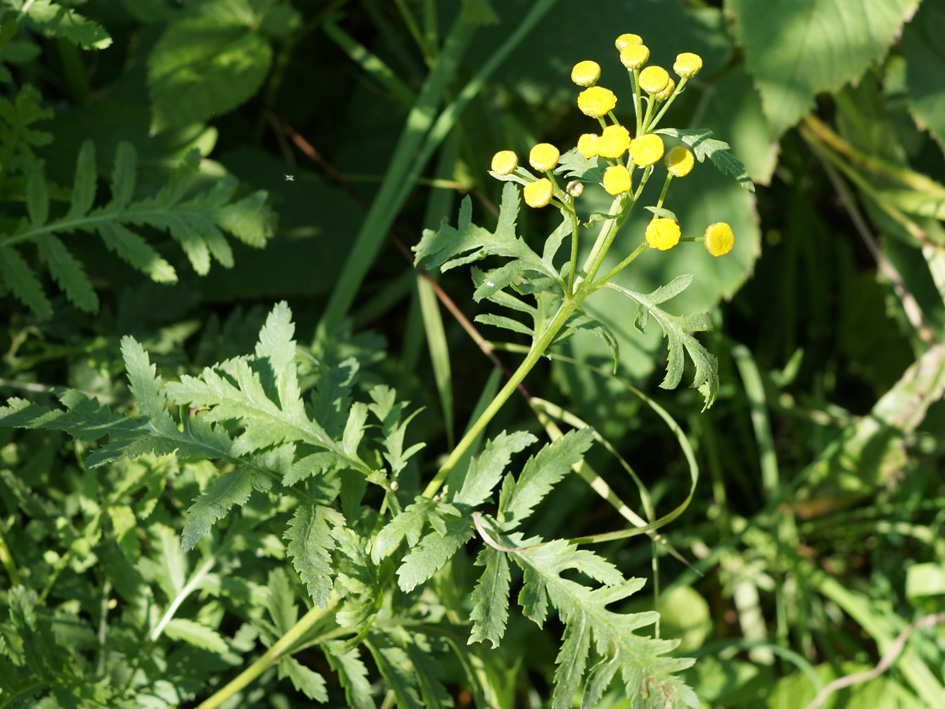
point(310, 545)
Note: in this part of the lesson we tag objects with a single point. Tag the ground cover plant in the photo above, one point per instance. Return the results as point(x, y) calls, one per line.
point(427, 354)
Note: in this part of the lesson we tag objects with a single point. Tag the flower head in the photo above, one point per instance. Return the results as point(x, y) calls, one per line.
point(653, 79)
point(687, 64)
point(719, 239)
point(667, 91)
point(596, 101)
point(504, 161)
point(543, 157)
point(634, 56)
point(647, 149)
point(613, 142)
point(587, 145)
point(662, 234)
point(585, 73)
point(679, 161)
point(538, 194)
point(617, 180)
point(625, 40)
point(575, 188)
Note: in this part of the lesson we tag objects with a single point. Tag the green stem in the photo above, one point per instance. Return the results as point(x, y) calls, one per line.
point(535, 353)
point(669, 102)
point(622, 265)
point(6, 558)
point(272, 656)
point(574, 249)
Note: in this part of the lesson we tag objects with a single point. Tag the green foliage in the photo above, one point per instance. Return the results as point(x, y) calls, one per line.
point(208, 500)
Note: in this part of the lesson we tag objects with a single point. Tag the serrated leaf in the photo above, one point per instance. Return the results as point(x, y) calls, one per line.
point(54, 20)
point(83, 189)
point(573, 165)
point(280, 601)
point(676, 329)
point(123, 175)
point(146, 386)
point(37, 199)
point(490, 598)
point(353, 676)
point(486, 469)
point(716, 150)
point(589, 626)
point(449, 247)
point(68, 273)
point(407, 525)
point(137, 252)
point(19, 278)
point(505, 323)
point(794, 50)
point(396, 669)
point(307, 681)
point(310, 545)
point(204, 67)
point(541, 473)
point(433, 551)
point(196, 634)
point(232, 488)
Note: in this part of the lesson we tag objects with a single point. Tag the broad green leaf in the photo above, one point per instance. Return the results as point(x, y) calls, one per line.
point(310, 545)
point(677, 329)
point(925, 67)
point(68, 273)
point(196, 634)
point(794, 50)
point(540, 474)
point(433, 551)
point(486, 469)
point(490, 598)
point(19, 278)
point(202, 68)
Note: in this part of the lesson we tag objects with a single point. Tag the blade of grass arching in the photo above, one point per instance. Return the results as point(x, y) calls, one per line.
point(786, 532)
point(439, 352)
point(544, 410)
point(439, 206)
point(370, 62)
point(447, 119)
point(391, 196)
point(407, 16)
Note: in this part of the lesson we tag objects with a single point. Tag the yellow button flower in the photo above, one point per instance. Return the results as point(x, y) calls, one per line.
point(679, 161)
point(617, 180)
point(538, 194)
point(504, 161)
point(543, 157)
point(719, 239)
point(585, 73)
point(634, 56)
point(587, 145)
point(653, 79)
point(662, 234)
point(666, 92)
point(613, 142)
point(647, 149)
point(626, 40)
point(687, 64)
point(596, 101)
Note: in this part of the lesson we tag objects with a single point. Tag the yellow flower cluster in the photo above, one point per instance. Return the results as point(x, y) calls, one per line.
point(614, 142)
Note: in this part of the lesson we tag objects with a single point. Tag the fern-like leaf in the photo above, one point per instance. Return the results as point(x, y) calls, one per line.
point(676, 329)
point(589, 625)
point(196, 218)
point(310, 545)
point(53, 19)
point(716, 150)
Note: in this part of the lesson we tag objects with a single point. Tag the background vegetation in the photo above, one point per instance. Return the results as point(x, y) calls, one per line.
point(172, 170)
